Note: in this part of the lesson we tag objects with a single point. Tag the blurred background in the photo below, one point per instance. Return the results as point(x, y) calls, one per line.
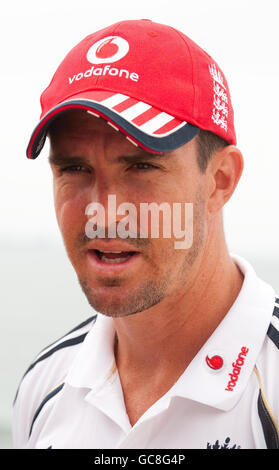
point(40, 295)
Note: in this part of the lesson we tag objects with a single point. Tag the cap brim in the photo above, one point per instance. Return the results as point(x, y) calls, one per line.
point(144, 125)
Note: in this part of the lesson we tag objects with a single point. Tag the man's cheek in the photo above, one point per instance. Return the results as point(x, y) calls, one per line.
point(71, 219)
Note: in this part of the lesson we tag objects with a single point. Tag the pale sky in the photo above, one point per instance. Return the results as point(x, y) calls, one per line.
point(242, 36)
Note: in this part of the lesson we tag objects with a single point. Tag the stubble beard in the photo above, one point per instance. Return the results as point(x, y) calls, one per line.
point(150, 292)
point(142, 298)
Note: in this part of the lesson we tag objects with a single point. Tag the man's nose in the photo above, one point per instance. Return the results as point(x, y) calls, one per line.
point(106, 194)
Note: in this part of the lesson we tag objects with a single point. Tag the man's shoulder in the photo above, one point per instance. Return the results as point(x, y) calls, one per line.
point(50, 367)
point(267, 363)
point(273, 329)
point(57, 356)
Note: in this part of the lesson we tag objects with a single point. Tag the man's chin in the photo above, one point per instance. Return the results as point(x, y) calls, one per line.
point(115, 301)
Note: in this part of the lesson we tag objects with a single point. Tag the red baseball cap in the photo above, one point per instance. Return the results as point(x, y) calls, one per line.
point(148, 80)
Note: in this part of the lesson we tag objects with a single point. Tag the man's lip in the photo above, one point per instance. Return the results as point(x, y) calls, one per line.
point(102, 268)
point(111, 246)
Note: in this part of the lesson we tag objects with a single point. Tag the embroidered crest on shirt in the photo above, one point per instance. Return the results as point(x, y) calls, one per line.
point(220, 98)
point(217, 445)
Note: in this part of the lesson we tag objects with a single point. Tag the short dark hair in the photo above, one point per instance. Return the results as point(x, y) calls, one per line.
point(207, 144)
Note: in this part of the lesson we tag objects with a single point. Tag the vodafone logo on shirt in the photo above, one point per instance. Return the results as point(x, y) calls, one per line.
point(106, 51)
point(237, 366)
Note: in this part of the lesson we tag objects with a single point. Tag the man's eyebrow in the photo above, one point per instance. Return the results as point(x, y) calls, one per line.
point(61, 160)
point(142, 157)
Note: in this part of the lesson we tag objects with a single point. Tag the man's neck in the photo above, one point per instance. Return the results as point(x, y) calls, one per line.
point(154, 347)
point(164, 339)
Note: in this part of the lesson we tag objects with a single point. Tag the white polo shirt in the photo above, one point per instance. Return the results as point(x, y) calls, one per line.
point(71, 395)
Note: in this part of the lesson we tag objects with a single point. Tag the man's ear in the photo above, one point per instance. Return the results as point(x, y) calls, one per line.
point(224, 171)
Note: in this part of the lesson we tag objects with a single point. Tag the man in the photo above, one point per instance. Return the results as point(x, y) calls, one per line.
point(183, 350)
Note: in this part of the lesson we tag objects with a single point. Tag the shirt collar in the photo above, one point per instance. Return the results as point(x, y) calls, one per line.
point(94, 363)
point(243, 329)
point(244, 326)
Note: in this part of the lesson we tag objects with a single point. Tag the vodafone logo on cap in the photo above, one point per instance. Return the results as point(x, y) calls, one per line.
point(108, 50)
point(103, 53)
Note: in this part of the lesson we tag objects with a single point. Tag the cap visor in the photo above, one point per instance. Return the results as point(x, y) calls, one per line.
point(144, 125)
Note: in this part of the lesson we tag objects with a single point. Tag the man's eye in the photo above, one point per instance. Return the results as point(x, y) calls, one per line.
point(143, 166)
point(73, 169)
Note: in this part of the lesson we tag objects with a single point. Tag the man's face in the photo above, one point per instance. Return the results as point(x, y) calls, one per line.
point(90, 161)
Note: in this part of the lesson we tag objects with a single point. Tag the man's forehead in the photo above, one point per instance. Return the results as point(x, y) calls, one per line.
point(68, 132)
point(74, 126)
point(77, 121)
